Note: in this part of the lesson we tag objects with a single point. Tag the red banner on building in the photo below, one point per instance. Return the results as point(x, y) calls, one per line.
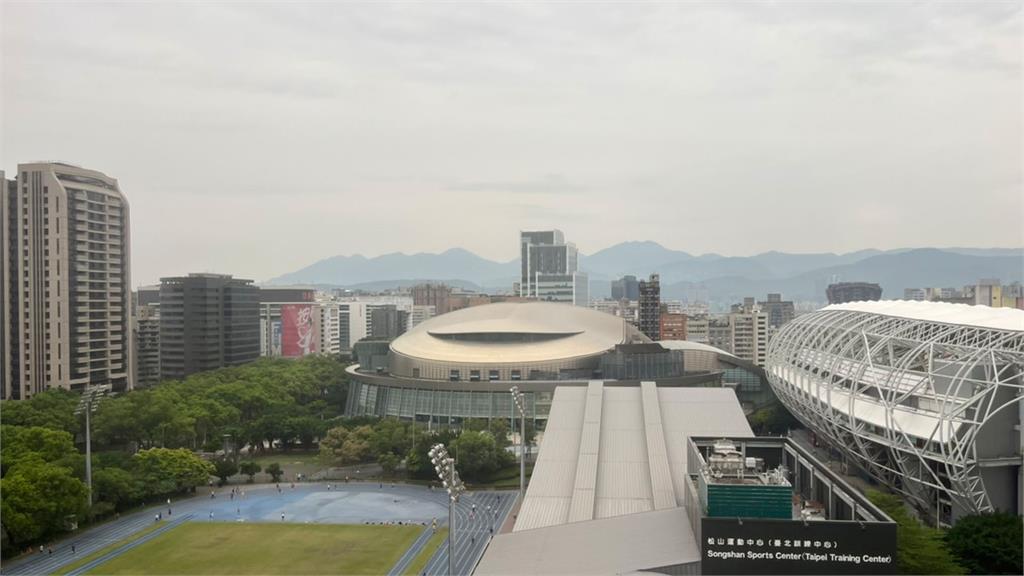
point(298, 330)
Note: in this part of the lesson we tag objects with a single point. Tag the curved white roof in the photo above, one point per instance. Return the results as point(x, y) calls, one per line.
point(696, 346)
point(510, 332)
point(944, 312)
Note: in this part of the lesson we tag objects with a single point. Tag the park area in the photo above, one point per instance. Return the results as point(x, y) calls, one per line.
point(235, 548)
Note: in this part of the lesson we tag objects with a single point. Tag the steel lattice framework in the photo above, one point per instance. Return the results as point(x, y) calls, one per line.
point(908, 398)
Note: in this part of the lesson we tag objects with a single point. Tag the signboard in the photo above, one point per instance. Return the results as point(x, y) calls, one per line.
point(275, 338)
point(769, 546)
point(298, 330)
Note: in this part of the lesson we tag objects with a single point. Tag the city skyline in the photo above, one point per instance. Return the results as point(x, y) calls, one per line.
point(801, 128)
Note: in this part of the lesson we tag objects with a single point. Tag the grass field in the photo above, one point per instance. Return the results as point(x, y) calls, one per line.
point(420, 561)
point(228, 548)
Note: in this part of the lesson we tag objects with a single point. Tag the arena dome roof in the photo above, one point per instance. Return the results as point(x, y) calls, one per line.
point(515, 332)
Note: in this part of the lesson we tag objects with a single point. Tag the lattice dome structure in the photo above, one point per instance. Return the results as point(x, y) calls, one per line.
point(924, 396)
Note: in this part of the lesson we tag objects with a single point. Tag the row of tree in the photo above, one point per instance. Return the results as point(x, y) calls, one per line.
point(145, 441)
point(479, 447)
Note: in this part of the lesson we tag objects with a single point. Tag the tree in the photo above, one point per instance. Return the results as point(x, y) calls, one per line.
point(479, 455)
point(166, 470)
point(341, 446)
point(773, 420)
point(114, 486)
point(988, 543)
point(250, 469)
point(53, 409)
point(224, 468)
point(275, 471)
point(388, 463)
point(37, 500)
point(920, 549)
point(34, 442)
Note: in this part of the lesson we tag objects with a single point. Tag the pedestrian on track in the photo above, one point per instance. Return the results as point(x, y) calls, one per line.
point(72, 548)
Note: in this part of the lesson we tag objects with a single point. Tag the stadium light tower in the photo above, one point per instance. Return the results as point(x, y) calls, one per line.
point(520, 401)
point(444, 465)
point(87, 404)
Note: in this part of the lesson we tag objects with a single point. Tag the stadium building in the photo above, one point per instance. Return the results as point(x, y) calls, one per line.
point(924, 396)
point(461, 364)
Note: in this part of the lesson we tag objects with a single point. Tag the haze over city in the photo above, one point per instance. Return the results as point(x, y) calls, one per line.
point(286, 134)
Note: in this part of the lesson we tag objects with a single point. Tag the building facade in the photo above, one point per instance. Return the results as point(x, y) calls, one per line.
point(649, 308)
point(923, 396)
point(673, 326)
point(66, 283)
point(843, 292)
point(626, 288)
point(207, 321)
point(436, 295)
point(779, 311)
point(147, 344)
point(549, 269)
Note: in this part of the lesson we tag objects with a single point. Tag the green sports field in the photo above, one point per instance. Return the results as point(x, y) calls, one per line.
point(229, 548)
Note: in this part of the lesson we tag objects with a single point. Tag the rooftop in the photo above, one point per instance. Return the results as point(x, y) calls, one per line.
point(509, 332)
point(943, 312)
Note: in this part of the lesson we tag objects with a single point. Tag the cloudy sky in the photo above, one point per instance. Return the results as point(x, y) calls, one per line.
point(256, 138)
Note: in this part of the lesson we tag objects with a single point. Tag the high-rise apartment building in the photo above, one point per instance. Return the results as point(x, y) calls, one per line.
point(649, 311)
point(626, 288)
point(207, 321)
point(673, 326)
point(66, 281)
point(388, 322)
point(550, 269)
point(352, 324)
point(843, 292)
point(147, 344)
point(436, 295)
point(779, 311)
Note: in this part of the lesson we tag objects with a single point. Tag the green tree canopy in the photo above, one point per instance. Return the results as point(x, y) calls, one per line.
point(166, 470)
point(38, 498)
point(53, 409)
point(920, 549)
point(33, 442)
point(250, 469)
point(989, 543)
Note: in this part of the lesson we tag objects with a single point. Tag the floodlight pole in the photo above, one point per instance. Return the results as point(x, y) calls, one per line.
point(451, 518)
point(518, 400)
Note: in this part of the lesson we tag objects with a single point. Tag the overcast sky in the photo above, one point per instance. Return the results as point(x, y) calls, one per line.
point(257, 138)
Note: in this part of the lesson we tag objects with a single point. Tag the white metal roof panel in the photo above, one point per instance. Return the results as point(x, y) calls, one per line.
point(945, 312)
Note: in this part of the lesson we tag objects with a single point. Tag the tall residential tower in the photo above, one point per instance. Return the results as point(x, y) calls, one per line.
point(550, 269)
point(66, 281)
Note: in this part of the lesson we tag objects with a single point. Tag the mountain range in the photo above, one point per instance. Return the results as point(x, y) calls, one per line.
point(801, 277)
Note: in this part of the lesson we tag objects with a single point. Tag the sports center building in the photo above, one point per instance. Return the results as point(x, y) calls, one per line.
point(461, 364)
point(923, 396)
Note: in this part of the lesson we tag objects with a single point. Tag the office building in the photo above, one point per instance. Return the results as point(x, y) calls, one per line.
point(353, 319)
point(549, 269)
point(626, 288)
point(420, 314)
point(330, 328)
point(698, 328)
point(843, 292)
point(147, 343)
point(625, 309)
point(923, 396)
point(66, 281)
point(436, 295)
point(673, 326)
point(649, 309)
point(207, 321)
point(388, 322)
point(779, 311)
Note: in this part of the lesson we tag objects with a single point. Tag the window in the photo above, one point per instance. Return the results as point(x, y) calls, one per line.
point(492, 375)
point(517, 375)
point(474, 375)
point(454, 375)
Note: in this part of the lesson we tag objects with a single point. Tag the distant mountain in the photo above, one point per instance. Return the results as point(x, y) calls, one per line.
point(357, 269)
point(636, 258)
point(895, 271)
point(683, 275)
